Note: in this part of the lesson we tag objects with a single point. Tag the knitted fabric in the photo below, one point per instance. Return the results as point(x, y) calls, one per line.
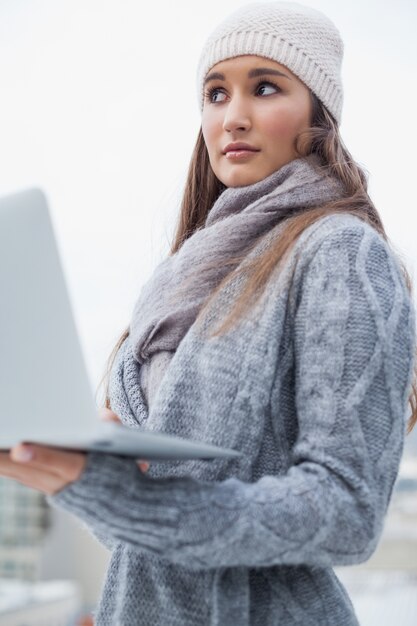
point(152, 372)
point(299, 37)
point(165, 308)
point(312, 388)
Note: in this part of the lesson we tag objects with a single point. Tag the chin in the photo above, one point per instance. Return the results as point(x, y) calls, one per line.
point(241, 179)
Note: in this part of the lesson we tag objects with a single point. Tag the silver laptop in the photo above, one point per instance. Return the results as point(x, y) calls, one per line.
point(45, 392)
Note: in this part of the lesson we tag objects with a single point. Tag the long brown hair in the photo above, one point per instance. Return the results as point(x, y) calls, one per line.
point(202, 188)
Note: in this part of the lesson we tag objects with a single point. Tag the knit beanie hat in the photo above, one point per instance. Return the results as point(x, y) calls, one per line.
point(302, 38)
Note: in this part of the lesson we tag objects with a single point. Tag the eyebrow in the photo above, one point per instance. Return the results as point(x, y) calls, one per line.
point(259, 71)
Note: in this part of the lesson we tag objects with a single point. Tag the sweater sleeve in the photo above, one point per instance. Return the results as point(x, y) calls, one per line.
point(354, 341)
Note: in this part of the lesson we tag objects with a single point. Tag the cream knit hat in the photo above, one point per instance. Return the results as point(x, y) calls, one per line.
point(299, 37)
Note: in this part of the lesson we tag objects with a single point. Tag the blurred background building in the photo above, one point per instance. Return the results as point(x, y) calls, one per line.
point(24, 521)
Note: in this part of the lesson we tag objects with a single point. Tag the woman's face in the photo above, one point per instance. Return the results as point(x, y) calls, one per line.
point(257, 101)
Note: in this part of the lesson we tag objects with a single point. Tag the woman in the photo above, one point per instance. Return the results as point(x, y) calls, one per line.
point(281, 324)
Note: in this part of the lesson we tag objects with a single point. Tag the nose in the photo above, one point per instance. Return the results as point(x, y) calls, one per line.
point(237, 115)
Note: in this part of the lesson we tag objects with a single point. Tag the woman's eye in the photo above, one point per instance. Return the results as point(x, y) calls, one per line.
point(210, 93)
point(268, 84)
point(262, 84)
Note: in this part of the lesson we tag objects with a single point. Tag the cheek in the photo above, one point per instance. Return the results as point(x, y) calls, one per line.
point(284, 123)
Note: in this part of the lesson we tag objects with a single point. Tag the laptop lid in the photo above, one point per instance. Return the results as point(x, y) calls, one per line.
point(44, 385)
point(45, 391)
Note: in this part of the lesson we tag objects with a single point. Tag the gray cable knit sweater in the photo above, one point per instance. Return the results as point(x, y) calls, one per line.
point(312, 387)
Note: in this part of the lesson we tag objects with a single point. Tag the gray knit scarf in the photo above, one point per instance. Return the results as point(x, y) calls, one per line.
point(238, 217)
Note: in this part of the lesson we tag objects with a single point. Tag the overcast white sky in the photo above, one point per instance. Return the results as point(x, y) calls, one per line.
point(99, 109)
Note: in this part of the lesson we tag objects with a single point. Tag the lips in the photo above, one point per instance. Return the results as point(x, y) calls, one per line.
point(239, 146)
point(240, 155)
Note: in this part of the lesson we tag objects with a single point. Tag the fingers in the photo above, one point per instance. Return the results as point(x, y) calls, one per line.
point(36, 479)
point(27, 473)
point(143, 465)
point(61, 463)
point(44, 468)
point(108, 415)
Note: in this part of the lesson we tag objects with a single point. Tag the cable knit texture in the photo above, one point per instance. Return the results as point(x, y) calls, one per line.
point(300, 37)
point(311, 386)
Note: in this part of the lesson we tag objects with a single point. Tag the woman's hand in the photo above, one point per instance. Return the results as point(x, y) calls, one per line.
point(48, 469)
point(41, 467)
point(108, 414)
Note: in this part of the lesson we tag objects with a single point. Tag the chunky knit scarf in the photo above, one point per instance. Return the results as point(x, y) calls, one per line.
point(236, 220)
